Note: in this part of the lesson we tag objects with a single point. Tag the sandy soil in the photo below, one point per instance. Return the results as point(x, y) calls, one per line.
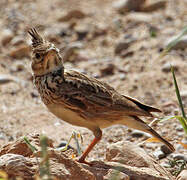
point(137, 73)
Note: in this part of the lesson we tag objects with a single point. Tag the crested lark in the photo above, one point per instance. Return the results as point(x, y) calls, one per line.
point(81, 100)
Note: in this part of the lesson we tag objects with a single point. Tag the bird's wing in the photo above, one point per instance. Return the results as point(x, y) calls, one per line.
point(83, 93)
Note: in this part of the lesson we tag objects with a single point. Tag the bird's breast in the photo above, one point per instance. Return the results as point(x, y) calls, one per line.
point(69, 116)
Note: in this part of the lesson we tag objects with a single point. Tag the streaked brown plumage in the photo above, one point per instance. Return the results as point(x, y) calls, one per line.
point(81, 100)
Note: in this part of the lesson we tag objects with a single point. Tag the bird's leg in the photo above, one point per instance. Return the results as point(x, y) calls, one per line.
point(98, 135)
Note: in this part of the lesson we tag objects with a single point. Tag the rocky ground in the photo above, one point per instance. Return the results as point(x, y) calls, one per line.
point(117, 42)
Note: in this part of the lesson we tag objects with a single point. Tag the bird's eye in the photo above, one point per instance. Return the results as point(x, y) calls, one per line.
point(37, 55)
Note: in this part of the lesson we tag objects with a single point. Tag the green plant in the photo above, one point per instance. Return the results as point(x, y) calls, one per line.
point(178, 166)
point(182, 119)
point(44, 163)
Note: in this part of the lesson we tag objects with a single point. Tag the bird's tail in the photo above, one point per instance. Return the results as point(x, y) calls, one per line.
point(144, 127)
point(156, 135)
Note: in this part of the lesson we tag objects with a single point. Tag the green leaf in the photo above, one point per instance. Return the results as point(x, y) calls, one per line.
point(182, 120)
point(167, 118)
point(178, 93)
point(33, 148)
point(173, 43)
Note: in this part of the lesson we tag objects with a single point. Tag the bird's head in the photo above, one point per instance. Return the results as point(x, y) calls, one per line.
point(45, 56)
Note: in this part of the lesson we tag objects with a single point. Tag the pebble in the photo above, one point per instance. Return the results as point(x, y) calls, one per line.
point(181, 44)
point(18, 66)
point(153, 6)
point(122, 76)
point(137, 133)
point(165, 149)
point(70, 53)
point(77, 14)
point(179, 157)
point(20, 52)
point(159, 154)
point(7, 36)
point(183, 94)
point(179, 128)
point(16, 41)
point(123, 6)
point(107, 70)
point(81, 31)
point(121, 46)
point(34, 94)
point(4, 79)
point(167, 67)
point(63, 144)
point(139, 17)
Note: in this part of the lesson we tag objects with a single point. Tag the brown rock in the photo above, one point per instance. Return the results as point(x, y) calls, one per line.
point(20, 52)
point(153, 6)
point(123, 6)
point(135, 159)
point(126, 153)
point(121, 46)
point(77, 14)
point(16, 161)
point(108, 70)
point(182, 175)
point(7, 36)
point(17, 166)
point(21, 148)
point(63, 167)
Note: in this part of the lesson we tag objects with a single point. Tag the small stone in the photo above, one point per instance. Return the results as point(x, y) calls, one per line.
point(183, 94)
point(18, 66)
point(7, 36)
point(153, 6)
point(4, 79)
point(120, 47)
point(81, 32)
point(99, 31)
point(18, 40)
point(122, 76)
point(167, 67)
point(181, 44)
point(70, 53)
point(108, 70)
point(123, 6)
point(165, 149)
point(182, 175)
point(34, 94)
point(139, 17)
point(20, 52)
point(125, 54)
point(159, 154)
point(138, 134)
point(179, 128)
point(63, 144)
point(179, 157)
point(77, 14)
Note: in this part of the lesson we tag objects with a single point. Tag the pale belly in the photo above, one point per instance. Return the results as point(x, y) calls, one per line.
point(70, 116)
point(74, 119)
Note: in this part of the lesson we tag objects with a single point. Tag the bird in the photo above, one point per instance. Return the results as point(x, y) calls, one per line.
point(82, 100)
